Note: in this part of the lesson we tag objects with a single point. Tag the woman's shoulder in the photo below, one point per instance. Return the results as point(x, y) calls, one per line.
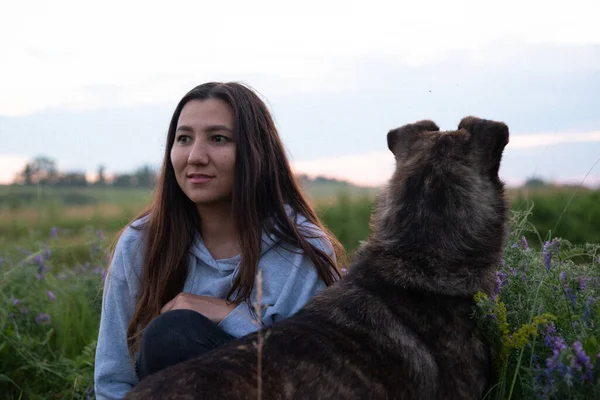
point(128, 251)
point(311, 232)
point(132, 235)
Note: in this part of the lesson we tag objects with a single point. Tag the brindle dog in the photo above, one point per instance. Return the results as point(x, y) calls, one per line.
point(397, 326)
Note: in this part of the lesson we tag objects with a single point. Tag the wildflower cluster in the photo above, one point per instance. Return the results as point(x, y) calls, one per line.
point(543, 320)
point(49, 315)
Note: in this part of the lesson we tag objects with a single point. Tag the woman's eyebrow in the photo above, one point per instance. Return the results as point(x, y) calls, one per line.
point(212, 128)
point(185, 128)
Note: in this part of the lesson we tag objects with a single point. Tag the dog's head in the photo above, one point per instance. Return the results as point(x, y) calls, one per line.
point(477, 145)
point(445, 200)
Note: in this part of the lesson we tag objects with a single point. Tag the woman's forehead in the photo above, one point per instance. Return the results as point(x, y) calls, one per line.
point(198, 114)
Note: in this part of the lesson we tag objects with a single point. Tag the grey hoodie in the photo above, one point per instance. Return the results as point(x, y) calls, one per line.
point(289, 281)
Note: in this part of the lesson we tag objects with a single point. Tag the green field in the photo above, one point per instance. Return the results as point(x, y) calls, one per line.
point(54, 241)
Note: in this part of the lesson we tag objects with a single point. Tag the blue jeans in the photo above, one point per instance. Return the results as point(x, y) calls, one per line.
point(174, 337)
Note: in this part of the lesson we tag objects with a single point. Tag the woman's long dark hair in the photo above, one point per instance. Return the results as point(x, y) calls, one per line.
point(263, 184)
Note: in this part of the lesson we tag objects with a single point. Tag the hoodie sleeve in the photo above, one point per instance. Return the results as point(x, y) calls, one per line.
point(298, 287)
point(114, 372)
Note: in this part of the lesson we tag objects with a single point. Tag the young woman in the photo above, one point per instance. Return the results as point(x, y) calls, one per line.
point(182, 275)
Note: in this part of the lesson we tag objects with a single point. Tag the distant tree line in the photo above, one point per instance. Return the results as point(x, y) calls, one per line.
point(43, 171)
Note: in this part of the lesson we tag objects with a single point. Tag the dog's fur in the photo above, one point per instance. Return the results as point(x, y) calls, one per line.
point(398, 325)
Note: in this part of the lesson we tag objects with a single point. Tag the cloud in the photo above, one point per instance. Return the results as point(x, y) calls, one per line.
point(545, 139)
point(59, 49)
point(340, 113)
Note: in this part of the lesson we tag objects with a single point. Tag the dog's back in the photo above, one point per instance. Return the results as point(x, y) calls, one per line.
point(397, 326)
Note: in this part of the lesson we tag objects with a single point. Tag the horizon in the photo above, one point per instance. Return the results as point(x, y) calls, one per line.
point(93, 178)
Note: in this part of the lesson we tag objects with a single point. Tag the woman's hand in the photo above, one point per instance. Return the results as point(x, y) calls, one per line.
point(212, 308)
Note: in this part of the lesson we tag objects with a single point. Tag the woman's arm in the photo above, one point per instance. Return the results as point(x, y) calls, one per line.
point(299, 284)
point(114, 372)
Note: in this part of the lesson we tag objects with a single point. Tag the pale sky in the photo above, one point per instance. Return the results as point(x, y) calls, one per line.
point(96, 83)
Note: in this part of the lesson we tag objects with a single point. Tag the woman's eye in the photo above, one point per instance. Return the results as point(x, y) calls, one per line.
point(183, 139)
point(220, 138)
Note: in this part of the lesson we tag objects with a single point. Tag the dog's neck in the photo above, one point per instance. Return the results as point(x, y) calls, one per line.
point(454, 257)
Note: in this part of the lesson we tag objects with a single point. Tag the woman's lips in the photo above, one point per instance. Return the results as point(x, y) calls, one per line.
point(199, 178)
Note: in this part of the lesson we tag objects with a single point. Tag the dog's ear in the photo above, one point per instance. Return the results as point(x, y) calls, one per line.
point(403, 137)
point(488, 139)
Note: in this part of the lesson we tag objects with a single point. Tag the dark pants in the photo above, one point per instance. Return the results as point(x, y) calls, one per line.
point(176, 336)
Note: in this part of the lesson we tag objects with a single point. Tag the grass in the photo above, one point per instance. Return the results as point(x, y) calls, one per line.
point(49, 313)
point(52, 259)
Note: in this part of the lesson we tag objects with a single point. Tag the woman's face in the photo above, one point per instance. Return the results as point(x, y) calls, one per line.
point(203, 153)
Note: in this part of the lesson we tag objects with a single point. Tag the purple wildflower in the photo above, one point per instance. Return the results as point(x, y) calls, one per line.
point(24, 310)
point(40, 263)
point(47, 253)
point(566, 289)
point(583, 283)
point(83, 268)
point(40, 276)
point(94, 248)
point(99, 271)
point(16, 302)
point(344, 271)
point(547, 253)
point(567, 374)
point(559, 343)
point(51, 295)
point(502, 275)
point(553, 365)
point(582, 360)
point(575, 325)
point(539, 373)
point(514, 246)
point(513, 271)
point(500, 281)
point(54, 232)
point(42, 318)
point(524, 243)
point(11, 315)
point(556, 343)
point(554, 360)
point(586, 309)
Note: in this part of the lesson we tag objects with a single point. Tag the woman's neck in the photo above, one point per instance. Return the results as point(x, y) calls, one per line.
point(218, 231)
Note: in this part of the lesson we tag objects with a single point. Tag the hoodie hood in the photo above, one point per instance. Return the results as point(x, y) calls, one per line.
point(268, 241)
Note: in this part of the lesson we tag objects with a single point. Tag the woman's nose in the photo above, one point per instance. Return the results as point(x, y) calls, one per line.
point(199, 154)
